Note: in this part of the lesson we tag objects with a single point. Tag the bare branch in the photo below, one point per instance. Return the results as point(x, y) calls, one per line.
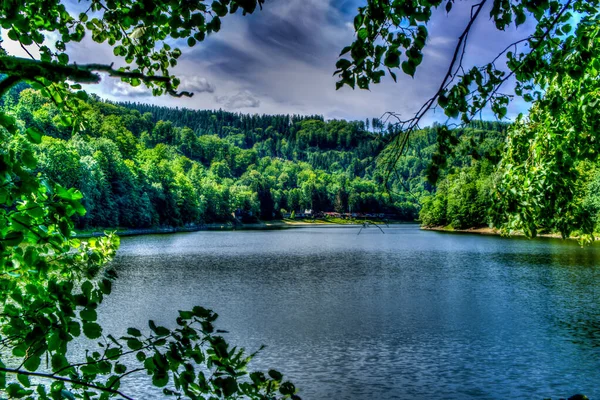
point(402, 140)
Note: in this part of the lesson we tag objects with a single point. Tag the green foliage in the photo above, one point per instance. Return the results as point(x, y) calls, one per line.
point(138, 35)
point(392, 34)
point(136, 173)
point(591, 200)
point(462, 199)
point(556, 67)
point(51, 283)
point(543, 172)
point(228, 163)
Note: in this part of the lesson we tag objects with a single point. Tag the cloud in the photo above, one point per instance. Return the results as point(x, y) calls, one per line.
point(242, 99)
point(116, 87)
point(281, 60)
point(196, 84)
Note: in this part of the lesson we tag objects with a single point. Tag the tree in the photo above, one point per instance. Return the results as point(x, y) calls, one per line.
point(52, 283)
point(556, 67)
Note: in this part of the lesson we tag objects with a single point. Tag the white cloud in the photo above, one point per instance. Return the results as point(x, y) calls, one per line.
point(116, 87)
point(242, 99)
point(196, 84)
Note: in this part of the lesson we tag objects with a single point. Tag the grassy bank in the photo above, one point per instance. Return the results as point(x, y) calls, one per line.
point(495, 232)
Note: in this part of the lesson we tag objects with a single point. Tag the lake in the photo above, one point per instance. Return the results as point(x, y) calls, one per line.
point(405, 314)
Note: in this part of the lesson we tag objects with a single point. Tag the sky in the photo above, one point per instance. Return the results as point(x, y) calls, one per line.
point(282, 59)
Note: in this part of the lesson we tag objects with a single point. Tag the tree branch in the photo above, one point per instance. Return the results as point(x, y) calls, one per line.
point(124, 375)
point(7, 83)
point(63, 379)
point(402, 140)
point(27, 69)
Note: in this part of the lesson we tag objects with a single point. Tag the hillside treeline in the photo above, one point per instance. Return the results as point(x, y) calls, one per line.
point(140, 165)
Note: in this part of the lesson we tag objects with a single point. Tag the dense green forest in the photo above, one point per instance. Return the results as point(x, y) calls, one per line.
point(141, 165)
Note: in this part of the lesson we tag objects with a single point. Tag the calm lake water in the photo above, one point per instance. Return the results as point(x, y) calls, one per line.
point(408, 314)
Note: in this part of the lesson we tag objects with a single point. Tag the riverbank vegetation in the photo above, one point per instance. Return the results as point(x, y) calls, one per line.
point(66, 159)
point(141, 166)
point(138, 171)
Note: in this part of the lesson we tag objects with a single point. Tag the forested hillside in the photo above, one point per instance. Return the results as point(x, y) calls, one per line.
point(140, 165)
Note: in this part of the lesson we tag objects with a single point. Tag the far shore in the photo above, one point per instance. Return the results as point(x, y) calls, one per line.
point(228, 226)
point(306, 223)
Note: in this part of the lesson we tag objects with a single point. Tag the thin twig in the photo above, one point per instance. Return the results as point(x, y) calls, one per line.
point(63, 379)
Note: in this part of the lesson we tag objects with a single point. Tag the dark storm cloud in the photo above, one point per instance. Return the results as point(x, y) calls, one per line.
point(290, 38)
point(288, 52)
point(225, 59)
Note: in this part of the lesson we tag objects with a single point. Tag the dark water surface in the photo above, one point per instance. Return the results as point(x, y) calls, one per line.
point(408, 314)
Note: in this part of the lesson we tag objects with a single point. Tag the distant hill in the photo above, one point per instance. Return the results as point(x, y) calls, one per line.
point(141, 165)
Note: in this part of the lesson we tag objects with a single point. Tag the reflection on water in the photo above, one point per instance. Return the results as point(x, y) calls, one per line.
point(405, 314)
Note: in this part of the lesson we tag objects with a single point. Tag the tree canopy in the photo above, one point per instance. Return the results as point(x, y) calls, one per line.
point(555, 68)
point(52, 283)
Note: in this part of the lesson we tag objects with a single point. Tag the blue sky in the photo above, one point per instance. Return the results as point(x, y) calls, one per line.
point(281, 60)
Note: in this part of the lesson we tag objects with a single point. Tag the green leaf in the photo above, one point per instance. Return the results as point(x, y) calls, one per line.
point(134, 332)
point(32, 363)
point(287, 388)
point(219, 9)
point(448, 6)
point(63, 58)
point(502, 112)
point(362, 33)
point(14, 390)
point(228, 385)
point(520, 17)
point(408, 68)
point(120, 369)
point(343, 64)
point(59, 362)
point(134, 344)
point(358, 21)
point(159, 330)
point(442, 100)
point(92, 330)
point(12, 238)
point(88, 314)
point(34, 135)
point(67, 394)
point(105, 286)
point(345, 50)
point(160, 379)
point(392, 59)
point(113, 352)
point(275, 375)
point(24, 380)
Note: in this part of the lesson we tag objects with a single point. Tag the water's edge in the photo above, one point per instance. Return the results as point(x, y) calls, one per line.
point(492, 232)
point(226, 226)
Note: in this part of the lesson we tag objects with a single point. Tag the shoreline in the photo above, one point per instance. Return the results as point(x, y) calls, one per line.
point(487, 231)
point(228, 226)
